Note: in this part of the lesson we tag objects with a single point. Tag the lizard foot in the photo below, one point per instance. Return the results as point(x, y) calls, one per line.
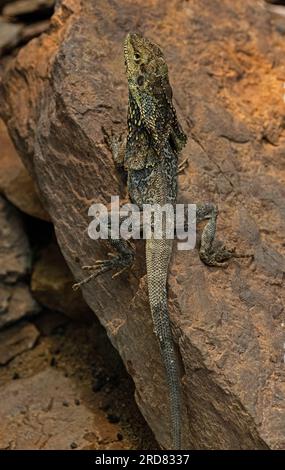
point(183, 165)
point(219, 257)
point(102, 266)
point(116, 144)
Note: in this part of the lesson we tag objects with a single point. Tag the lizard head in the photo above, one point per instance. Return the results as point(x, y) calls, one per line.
point(145, 64)
point(149, 88)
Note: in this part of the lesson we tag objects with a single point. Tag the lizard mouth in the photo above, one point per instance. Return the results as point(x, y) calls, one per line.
point(129, 48)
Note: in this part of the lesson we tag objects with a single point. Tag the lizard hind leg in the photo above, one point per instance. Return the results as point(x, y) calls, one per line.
point(210, 253)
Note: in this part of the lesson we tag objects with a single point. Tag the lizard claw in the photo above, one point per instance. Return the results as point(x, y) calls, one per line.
point(116, 144)
point(112, 140)
point(102, 266)
point(108, 136)
point(183, 165)
point(243, 255)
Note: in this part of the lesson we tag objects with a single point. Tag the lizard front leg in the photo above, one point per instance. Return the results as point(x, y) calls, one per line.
point(125, 252)
point(117, 145)
point(211, 254)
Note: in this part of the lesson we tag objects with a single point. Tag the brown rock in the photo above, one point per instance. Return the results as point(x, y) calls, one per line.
point(15, 182)
point(35, 29)
point(9, 34)
point(40, 421)
point(278, 17)
point(17, 339)
point(14, 246)
point(49, 322)
point(25, 7)
point(3, 2)
point(56, 96)
point(16, 303)
point(52, 285)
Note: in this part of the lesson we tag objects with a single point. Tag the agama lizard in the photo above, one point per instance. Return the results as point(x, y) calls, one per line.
point(150, 156)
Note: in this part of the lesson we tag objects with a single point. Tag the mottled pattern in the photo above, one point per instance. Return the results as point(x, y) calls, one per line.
point(154, 139)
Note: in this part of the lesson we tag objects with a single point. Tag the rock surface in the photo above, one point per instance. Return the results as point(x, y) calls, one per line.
point(15, 340)
point(26, 7)
point(69, 391)
point(16, 301)
point(226, 62)
point(51, 285)
point(15, 251)
point(32, 400)
point(15, 182)
point(9, 34)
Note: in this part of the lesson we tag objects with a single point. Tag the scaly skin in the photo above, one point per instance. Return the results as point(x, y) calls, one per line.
point(149, 155)
point(154, 141)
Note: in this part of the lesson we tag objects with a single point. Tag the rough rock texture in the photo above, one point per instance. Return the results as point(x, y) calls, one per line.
point(16, 301)
point(49, 394)
point(226, 62)
point(51, 285)
point(15, 182)
point(26, 7)
point(15, 251)
point(15, 340)
point(69, 391)
point(9, 34)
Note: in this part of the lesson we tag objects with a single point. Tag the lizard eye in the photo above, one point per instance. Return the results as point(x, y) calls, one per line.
point(140, 80)
point(137, 56)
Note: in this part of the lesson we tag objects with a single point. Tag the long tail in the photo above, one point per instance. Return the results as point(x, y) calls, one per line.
point(158, 254)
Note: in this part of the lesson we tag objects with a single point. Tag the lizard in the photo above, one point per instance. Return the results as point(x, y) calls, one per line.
point(150, 154)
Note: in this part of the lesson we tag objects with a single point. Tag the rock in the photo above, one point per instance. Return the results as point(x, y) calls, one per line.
point(17, 339)
point(278, 2)
point(3, 2)
point(14, 246)
point(35, 29)
point(16, 303)
point(48, 323)
point(25, 7)
point(52, 285)
point(9, 34)
point(278, 17)
point(15, 182)
point(53, 383)
point(40, 421)
point(71, 83)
